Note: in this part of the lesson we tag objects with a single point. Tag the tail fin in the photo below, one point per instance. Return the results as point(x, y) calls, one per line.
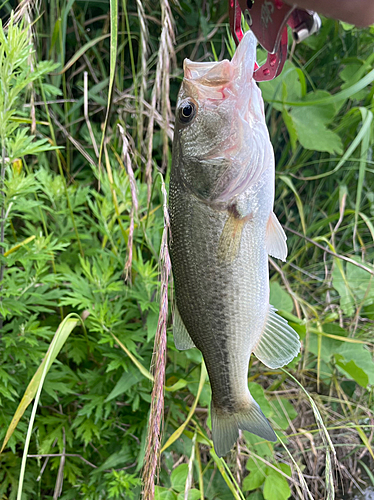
point(225, 426)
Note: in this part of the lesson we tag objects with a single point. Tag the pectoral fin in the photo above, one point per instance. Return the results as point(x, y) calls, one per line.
point(275, 238)
point(279, 343)
point(231, 236)
point(182, 339)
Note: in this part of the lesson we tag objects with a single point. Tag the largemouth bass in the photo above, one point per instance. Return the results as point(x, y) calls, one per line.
point(222, 230)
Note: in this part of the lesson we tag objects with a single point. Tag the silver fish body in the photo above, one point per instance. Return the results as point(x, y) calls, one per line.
point(222, 230)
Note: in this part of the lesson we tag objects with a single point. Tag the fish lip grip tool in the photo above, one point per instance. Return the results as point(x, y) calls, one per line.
point(268, 20)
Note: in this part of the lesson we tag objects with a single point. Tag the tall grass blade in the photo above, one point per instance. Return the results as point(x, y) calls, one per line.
point(113, 64)
point(137, 363)
point(58, 341)
point(82, 51)
point(180, 429)
point(329, 447)
point(299, 203)
point(35, 387)
point(366, 114)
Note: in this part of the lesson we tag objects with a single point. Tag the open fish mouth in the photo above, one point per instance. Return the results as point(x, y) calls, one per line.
point(212, 78)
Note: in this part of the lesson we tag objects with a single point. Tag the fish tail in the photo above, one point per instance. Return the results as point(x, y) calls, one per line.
point(225, 426)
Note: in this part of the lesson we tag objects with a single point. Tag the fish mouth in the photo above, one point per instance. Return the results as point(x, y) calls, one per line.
point(218, 75)
point(227, 89)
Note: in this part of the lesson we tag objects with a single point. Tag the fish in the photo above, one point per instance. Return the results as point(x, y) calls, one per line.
point(222, 225)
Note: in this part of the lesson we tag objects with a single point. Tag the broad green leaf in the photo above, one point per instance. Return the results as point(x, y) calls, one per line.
point(258, 394)
point(283, 411)
point(355, 286)
point(254, 465)
point(326, 112)
point(193, 494)
point(164, 494)
point(284, 468)
point(257, 475)
point(259, 446)
point(353, 370)
point(361, 283)
point(276, 487)
point(350, 150)
point(340, 283)
point(347, 26)
point(178, 477)
point(312, 131)
point(152, 321)
point(361, 357)
point(286, 86)
point(256, 495)
point(329, 346)
point(279, 298)
point(127, 380)
point(254, 480)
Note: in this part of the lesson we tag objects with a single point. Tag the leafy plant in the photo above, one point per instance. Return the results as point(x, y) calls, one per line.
point(73, 224)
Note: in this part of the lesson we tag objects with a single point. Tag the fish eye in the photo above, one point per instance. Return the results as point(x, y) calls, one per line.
point(187, 111)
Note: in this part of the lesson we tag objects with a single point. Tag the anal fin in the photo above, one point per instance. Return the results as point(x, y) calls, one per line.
point(276, 245)
point(182, 339)
point(279, 343)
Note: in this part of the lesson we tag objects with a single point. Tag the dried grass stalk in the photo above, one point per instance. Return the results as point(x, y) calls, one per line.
point(134, 199)
point(160, 92)
point(152, 454)
point(144, 35)
point(24, 11)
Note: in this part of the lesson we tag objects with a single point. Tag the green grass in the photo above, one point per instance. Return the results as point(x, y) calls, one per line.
point(81, 157)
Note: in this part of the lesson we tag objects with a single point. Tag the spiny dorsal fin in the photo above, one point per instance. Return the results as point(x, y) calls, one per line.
point(182, 339)
point(279, 343)
point(229, 242)
point(276, 239)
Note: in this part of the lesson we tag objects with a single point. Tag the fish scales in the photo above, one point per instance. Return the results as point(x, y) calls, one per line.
point(222, 229)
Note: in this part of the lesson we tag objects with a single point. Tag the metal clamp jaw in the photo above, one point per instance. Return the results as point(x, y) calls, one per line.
point(268, 20)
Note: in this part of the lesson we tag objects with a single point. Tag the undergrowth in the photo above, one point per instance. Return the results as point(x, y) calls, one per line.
point(82, 224)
